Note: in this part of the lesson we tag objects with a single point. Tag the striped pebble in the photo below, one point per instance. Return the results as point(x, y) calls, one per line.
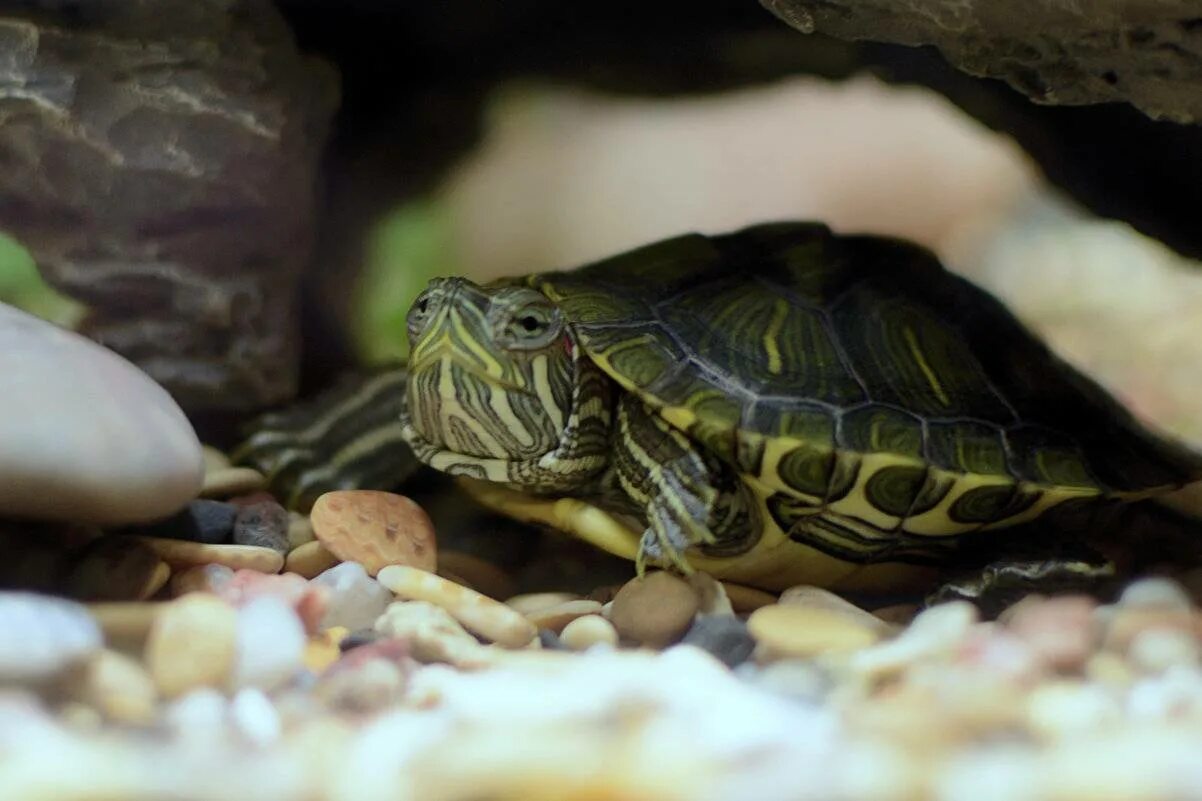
point(182, 553)
point(490, 619)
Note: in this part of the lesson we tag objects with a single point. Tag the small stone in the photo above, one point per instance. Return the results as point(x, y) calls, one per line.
point(432, 633)
point(746, 599)
point(711, 595)
point(935, 632)
point(183, 554)
point(358, 639)
point(554, 618)
point(1060, 631)
point(210, 522)
point(202, 578)
point(482, 576)
point(255, 718)
point(300, 530)
point(490, 619)
point(1063, 708)
point(120, 688)
point(532, 602)
point(126, 624)
point(354, 599)
point(805, 631)
point(41, 637)
point(270, 644)
point(364, 688)
point(654, 610)
point(792, 678)
point(1157, 593)
point(191, 644)
point(310, 560)
point(1157, 650)
point(585, 632)
point(324, 649)
point(897, 614)
point(87, 436)
point(199, 716)
point(232, 481)
point(116, 569)
point(308, 600)
point(214, 459)
point(724, 636)
point(375, 529)
point(819, 598)
point(549, 640)
point(263, 524)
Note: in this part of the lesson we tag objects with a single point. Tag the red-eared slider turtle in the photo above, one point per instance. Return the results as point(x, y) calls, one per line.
point(779, 405)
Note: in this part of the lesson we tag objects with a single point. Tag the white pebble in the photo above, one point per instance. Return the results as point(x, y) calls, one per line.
point(41, 636)
point(256, 717)
point(355, 598)
point(271, 644)
point(1155, 592)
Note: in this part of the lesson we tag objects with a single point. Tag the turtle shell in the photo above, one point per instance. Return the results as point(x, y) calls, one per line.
point(855, 374)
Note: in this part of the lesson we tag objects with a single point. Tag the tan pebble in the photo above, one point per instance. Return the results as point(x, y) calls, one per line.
point(1109, 669)
point(556, 618)
point(156, 581)
point(120, 688)
point(1158, 650)
point(935, 633)
point(184, 554)
point(214, 459)
point(202, 578)
point(1126, 623)
point(818, 598)
point(746, 599)
point(585, 632)
point(192, 644)
point(1060, 631)
point(370, 687)
point(375, 529)
point(655, 609)
point(1155, 593)
point(322, 650)
point(117, 568)
point(230, 481)
point(1061, 708)
point(711, 595)
point(432, 634)
point(310, 560)
point(300, 530)
point(481, 575)
point(125, 624)
point(897, 614)
point(532, 602)
point(802, 631)
point(490, 619)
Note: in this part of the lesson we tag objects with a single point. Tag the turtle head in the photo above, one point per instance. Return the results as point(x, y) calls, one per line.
point(491, 373)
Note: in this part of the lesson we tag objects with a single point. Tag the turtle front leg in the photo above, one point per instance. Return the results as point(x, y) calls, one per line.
point(687, 496)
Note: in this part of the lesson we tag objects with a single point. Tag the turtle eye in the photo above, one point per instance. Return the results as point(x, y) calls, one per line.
point(419, 314)
point(533, 326)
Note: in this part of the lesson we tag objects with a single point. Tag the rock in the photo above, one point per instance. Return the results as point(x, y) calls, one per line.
point(897, 614)
point(324, 649)
point(308, 600)
point(184, 554)
point(364, 688)
point(481, 575)
point(119, 688)
point(1061, 631)
point(263, 524)
point(554, 618)
point(583, 633)
point(490, 619)
point(806, 631)
point(116, 569)
point(231, 481)
point(88, 438)
point(655, 610)
point(746, 599)
point(157, 114)
point(270, 644)
point(934, 633)
point(1062, 708)
point(214, 459)
point(202, 578)
point(192, 644)
point(40, 636)
point(1157, 650)
point(375, 529)
point(432, 634)
point(724, 636)
point(210, 522)
point(711, 595)
point(819, 598)
point(355, 599)
point(126, 624)
point(310, 560)
point(358, 639)
point(529, 603)
point(300, 530)
point(1155, 593)
point(255, 718)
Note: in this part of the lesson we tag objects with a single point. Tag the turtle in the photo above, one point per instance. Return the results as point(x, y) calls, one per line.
point(779, 405)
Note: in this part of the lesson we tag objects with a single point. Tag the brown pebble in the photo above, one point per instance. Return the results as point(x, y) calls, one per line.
point(119, 688)
point(310, 560)
point(803, 631)
point(532, 602)
point(230, 481)
point(490, 619)
point(585, 632)
point(375, 529)
point(746, 599)
point(654, 610)
point(300, 530)
point(192, 644)
point(711, 595)
point(184, 554)
point(555, 618)
point(481, 575)
point(819, 598)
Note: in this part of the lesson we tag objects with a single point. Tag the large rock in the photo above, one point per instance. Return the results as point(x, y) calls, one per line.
point(85, 436)
point(1147, 53)
point(159, 160)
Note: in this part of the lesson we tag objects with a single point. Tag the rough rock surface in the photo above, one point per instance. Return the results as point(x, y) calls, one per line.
point(159, 161)
point(1067, 53)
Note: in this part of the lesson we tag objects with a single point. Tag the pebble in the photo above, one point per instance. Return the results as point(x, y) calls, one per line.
point(555, 618)
point(1157, 650)
point(300, 530)
point(184, 554)
point(88, 437)
point(483, 576)
point(116, 569)
point(324, 648)
point(934, 632)
point(192, 643)
point(711, 595)
point(490, 619)
point(585, 632)
point(119, 687)
point(364, 688)
point(1060, 630)
point(806, 631)
point(432, 633)
point(746, 599)
point(125, 624)
point(897, 614)
point(308, 600)
point(354, 599)
point(41, 636)
point(255, 718)
point(358, 639)
point(230, 481)
point(270, 644)
point(263, 524)
point(214, 459)
point(1155, 593)
point(202, 578)
point(532, 602)
point(724, 636)
point(210, 522)
point(310, 560)
point(654, 610)
point(819, 598)
point(375, 529)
